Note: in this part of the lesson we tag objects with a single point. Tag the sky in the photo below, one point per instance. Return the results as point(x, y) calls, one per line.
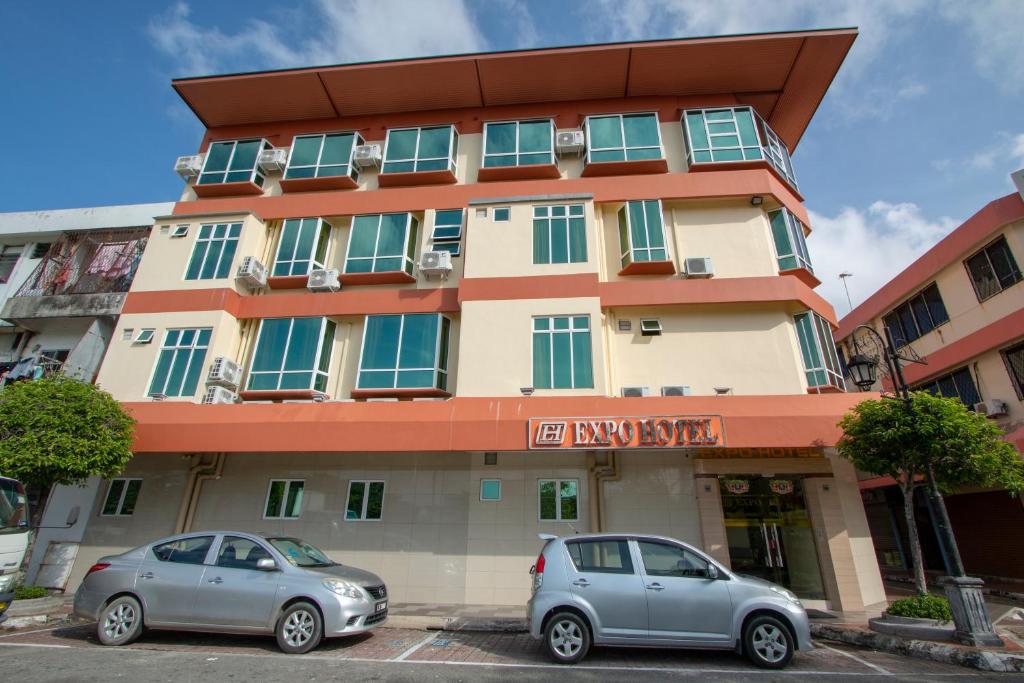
point(919, 131)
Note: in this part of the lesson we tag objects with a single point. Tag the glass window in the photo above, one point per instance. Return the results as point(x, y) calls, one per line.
point(957, 384)
point(382, 243)
point(8, 259)
point(559, 234)
point(993, 269)
point(303, 246)
point(405, 352)
point(300, 553)
point(241, 553)
point(623, 137)
point(490, 489)
point(184, 551)
point(519, 143)
point(320, 156)
point(213, 251)
point(818, 350)
point(233, 161)
point(502, 214)
point(13, 507)
point(608, 557)
point(790, 242)
point(447, 234)
point(122, 494)
point(1014, 359)
point(180, 362)
point(292, 353)
point(411, 150)
point(558, 500)
point(562, 353)
point(734, 134)
point(661, 559)
point(916, 316)
point(284, 499)
point(365, 500)
point(641, 232)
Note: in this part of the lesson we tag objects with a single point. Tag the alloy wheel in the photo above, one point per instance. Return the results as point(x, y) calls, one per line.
point(298, 628)
point(770, 643)
point(118, 621)
point(566, 638)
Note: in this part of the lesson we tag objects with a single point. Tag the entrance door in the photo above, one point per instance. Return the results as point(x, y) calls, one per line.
point(770, 534)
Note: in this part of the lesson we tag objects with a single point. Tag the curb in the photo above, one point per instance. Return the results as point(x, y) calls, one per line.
point(945, 653)
point(423, 623)
point(36, 606)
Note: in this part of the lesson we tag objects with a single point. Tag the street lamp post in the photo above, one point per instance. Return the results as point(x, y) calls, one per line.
point(966, 599)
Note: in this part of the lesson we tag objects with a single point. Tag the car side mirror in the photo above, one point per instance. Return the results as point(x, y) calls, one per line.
point(266, 564)
point(712, 571)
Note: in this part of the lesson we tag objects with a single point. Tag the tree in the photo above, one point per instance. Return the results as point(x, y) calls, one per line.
point(60, 430)
point(931, 440)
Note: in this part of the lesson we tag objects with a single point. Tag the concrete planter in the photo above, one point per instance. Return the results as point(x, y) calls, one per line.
point(35, 607)
point(909, 627)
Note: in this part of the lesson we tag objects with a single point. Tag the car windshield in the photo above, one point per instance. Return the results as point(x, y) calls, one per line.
point(13, 508)
point(301, 554)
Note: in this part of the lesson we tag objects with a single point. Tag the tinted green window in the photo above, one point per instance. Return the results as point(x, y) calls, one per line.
point(381, 243)
point(410, 150)
point(213, 251)
point(559, 234)
point(790, 243)
point(818, 351)
point(562, 356)
point(365, 500)
point(558, 500)
point(303, 246)
point(292, 353)
point(447, 234)
point(641, 232)
point(318, 156)
point(490, 489)
point(734, 134)
point(180, 363)
point(518, 143)
point(404, 352)
point(623, 137)
point(122, 494)
point(233, 162)
point(284, 499)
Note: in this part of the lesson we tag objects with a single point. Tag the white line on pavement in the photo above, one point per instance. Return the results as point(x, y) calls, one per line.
point(36, 630)
point(405, 655)
point(857, 659)
point(35, 645)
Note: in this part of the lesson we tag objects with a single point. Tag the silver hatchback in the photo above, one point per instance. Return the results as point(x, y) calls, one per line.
point(231, 582)
point(651, 591)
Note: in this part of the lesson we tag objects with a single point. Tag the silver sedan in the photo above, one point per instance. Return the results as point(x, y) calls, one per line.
point(231, 582)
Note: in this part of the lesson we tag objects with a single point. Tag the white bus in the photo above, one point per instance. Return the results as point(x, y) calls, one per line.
point(13, 537)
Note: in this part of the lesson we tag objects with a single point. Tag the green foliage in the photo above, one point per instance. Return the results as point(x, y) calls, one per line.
point(29, 592)
point(61, 431)
point(883, 437)
point(922, 607)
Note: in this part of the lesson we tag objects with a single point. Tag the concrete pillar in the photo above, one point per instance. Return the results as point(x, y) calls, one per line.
point(712, 519)
point(869, 576)
point(835, 555)
point(84, 360)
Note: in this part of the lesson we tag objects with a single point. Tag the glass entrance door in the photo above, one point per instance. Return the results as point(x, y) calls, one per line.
point(770, 535)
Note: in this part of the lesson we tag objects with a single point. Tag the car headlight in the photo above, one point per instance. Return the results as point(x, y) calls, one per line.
point(343, 588)
point(6, 582)
point(788, 594)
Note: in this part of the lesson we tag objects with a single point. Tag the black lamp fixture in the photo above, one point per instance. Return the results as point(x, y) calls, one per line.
point(756, 200)
point(863, 371)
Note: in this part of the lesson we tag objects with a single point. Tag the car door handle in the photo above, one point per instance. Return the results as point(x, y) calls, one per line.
point(582, 583)
point(146, 575)
point(216, 579)
point(654, 587)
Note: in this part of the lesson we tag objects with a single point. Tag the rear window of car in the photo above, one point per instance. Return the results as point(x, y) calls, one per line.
point(184, 550)
point(610, 557)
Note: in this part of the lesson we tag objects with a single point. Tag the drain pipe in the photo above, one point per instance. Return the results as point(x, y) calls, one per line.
point(214, 471)
point(598, 474)
point(199, 468)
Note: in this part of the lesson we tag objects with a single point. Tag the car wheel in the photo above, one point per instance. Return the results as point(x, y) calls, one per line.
point(299, 629)
point(567, 638)
point(120, 621)
point(767, 643)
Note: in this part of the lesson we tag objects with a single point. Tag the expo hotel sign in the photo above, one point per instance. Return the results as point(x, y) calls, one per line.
point(627, 432)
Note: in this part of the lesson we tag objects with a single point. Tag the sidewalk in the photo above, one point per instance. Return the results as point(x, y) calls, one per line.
point(442, 617)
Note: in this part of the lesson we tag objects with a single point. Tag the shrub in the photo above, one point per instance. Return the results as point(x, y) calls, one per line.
point(29, 592)
point(922, 607)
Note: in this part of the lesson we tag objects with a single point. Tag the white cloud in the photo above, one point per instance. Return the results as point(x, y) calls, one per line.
point(1006, 153)
point(1017, 150)
point(994, 29)
point(328, 31)
point(874, 244)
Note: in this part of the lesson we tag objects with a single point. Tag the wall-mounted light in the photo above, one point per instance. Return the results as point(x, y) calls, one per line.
point(723, 391)
point(526, 391)
point(756, 200)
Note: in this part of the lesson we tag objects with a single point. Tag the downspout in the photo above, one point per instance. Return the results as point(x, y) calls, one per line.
point(196, 473)
point(598, 474)
point(214, 471)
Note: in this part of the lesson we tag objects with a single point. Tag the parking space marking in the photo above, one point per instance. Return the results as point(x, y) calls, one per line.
point(859, 660)
point(408, 653)
point(61, 647)
point(35, 630)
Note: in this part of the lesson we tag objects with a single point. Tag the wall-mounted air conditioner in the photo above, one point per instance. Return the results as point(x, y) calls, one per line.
point(251, 274)
point(189, 167)
point(366, 156)
point(323, 281)
point(698, 267)
point(273, 160)
point(635, 392)
point(437, 263)
point(992, 407)
point(224, 372)
point(569, 142)
point(675, 390)
point(217, 395)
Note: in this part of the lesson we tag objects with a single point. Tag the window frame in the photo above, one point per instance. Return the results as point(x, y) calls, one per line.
point(550, 332)
point(903, 339)
point(366, 499)
point(631, 570)
point(284, 499)
point(453, 151)
point(256, 175)
point(451, 244)
point(1000, 240)
point(517, 153)
point(490, 481)
point(558, 500)
point(352, 171)
point(437, 369)
point(817, 324)
point(412, 223)
point(119, 508)
point(6, 252)
point(630, 249)
point(206, 557)
point(640, 542)
point(315, 371)
point(1016, 380)
point(549, 217)
point(227, 242)
point(622, 130)
point(322, 233)
point(951, 376)
point(188, 364)
point(797, 241)
point(770, 147)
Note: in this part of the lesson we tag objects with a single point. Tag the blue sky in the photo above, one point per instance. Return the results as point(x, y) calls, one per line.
point(919, 131)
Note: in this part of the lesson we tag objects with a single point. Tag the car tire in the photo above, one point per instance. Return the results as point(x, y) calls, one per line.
point(567, 638)
point(768, 643)
point(300, 629)
point(120, 621)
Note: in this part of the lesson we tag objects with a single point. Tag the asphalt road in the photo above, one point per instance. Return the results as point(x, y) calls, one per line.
point(72, 654)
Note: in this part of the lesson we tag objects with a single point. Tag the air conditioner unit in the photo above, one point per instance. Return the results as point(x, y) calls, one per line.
point(675, 390)
point(215, 395)
point(366, 156)
point(569, 142)
point(992, 407)
point(635, 392)
point(698, 267)
point(224, 372)
point(323, 281)
point(251, 273)
point(189, 167)
point(436, 263)
point(273, 160)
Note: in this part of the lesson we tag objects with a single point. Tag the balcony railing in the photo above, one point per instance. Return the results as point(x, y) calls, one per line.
point(94, 262)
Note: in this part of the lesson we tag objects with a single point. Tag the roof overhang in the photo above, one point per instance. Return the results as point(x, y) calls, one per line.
point(783, 75)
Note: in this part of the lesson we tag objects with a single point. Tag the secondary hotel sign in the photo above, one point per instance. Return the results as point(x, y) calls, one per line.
point(675, 431)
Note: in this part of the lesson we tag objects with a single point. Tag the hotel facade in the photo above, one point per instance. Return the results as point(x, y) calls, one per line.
point(417, 312)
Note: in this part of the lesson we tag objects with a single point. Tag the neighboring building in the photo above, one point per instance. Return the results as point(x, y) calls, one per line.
point(626, 338)
point(63, 278)
point(960, 307)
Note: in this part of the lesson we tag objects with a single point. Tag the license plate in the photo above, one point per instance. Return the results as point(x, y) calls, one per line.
point(381, 606)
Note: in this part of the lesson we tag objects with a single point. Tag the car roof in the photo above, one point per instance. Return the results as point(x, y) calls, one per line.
point(612, 536)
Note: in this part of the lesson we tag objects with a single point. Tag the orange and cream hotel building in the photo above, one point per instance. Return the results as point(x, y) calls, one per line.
point(417, 312)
